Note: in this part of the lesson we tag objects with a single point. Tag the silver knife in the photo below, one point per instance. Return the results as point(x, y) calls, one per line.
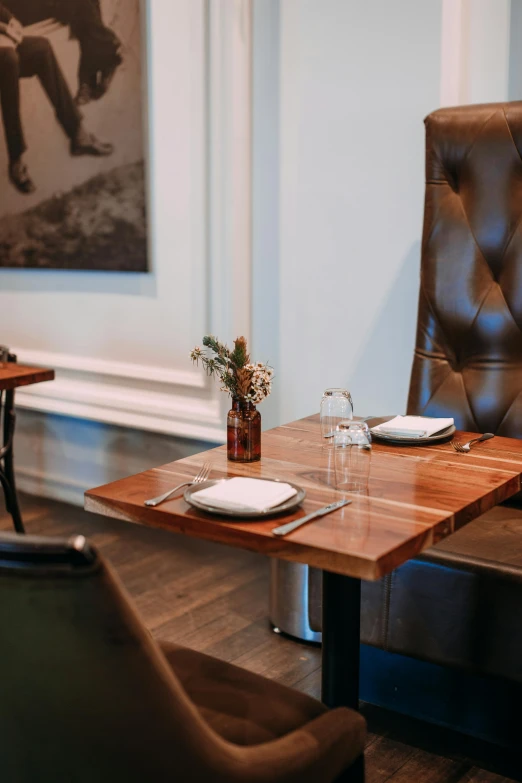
point(284, 529)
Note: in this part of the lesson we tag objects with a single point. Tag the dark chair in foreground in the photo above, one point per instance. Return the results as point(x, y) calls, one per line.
point(87, 695)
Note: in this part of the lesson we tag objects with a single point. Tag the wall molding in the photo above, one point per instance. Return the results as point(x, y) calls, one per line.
point(147, 409)
point(454, 52)
point(94, 366)
point(230, 166)
point(173, 401)
point(475, 43)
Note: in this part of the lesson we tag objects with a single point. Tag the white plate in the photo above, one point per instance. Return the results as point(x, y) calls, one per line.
point(288, 505)
point(404, 440)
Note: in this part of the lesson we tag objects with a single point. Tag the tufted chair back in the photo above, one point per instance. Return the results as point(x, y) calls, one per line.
point(468, 354)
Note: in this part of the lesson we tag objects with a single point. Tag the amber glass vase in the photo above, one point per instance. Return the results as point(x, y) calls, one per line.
point(243, 432)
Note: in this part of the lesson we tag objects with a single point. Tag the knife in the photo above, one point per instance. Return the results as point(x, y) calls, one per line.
point(282, 530)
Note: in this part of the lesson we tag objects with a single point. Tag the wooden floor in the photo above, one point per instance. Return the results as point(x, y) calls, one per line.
point(214, 599)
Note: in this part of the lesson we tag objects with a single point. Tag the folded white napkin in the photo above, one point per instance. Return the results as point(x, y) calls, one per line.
point(412, 426)
point(246, 494)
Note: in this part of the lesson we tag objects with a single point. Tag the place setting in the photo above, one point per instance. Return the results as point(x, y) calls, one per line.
point(400, 430)
point(411, 430)
point(245, 498)
point(421, 431)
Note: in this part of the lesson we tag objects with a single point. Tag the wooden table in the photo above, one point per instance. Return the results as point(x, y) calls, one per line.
point(417, 496)
point(13, 375)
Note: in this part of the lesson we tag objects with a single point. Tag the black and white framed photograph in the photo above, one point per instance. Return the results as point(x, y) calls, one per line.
point(72, 168)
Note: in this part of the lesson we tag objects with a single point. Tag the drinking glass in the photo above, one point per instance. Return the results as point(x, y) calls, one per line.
point(352, 444)
point(336, 406)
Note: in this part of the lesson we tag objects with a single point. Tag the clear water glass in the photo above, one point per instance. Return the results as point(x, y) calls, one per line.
point(352, 444)
point(336, 406)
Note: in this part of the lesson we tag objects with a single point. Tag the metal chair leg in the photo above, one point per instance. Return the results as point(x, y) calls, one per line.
point(11, 502)
point(7, 477)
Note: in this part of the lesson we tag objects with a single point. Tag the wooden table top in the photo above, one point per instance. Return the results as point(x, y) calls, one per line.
point(13, 375)
point(417, 496)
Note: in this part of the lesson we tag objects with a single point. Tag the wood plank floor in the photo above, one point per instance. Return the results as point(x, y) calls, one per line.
point(214, 599)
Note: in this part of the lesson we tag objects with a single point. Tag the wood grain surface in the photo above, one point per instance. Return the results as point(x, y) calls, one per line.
point(13, 375)
point(417, 496)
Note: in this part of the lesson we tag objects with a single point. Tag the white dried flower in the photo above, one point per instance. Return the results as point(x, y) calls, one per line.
point(261, 384)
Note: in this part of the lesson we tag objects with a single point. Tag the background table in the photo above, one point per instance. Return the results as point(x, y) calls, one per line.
point(13, 375)
point(417, 496)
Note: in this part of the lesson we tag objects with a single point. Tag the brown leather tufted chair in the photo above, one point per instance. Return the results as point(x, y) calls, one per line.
point(459, 603)
point(468, 355)
point(87, 695)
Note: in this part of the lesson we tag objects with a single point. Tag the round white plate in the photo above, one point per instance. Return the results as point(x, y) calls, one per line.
point(401, 440)
point(288, 505)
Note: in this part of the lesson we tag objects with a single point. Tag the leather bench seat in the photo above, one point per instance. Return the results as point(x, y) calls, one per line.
point(459, 604)
point(450, 619)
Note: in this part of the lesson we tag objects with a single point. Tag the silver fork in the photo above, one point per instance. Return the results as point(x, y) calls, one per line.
point(463, 448)
point(199, 478)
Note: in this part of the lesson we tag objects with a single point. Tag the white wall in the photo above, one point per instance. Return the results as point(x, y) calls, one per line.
point(339, 181)
point(357, 80)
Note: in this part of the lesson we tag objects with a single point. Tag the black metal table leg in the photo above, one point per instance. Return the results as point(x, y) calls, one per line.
point(7, 478)
point(341, 639)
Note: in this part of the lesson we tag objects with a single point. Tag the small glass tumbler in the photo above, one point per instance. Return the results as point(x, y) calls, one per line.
point(352, 444)
point(336, 406)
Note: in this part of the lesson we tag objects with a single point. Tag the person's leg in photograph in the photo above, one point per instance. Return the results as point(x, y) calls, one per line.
point(87, 75)
point(35, 57)
point(10, 103)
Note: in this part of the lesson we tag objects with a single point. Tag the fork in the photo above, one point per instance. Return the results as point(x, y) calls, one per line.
point(199, 478)
point(463, 448)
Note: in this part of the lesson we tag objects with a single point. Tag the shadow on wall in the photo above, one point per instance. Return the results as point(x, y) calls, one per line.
point(383, 369)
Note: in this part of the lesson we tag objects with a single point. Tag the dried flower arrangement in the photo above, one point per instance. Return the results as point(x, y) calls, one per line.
point(239, 377)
